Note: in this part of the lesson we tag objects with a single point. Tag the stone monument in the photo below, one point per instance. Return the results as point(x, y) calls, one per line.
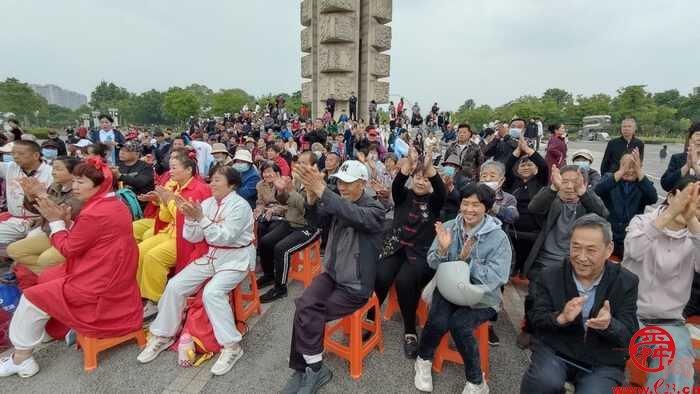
point(343, 46)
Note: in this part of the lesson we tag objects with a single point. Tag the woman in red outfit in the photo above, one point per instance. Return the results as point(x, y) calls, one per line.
point(556, 147)
point(97, 295)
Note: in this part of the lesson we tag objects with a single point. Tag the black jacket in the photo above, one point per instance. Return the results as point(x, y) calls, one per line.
point(614, 151)
point(138, 177)
point(547, 203)
point(527, 225)
point(501, 149)
point(589, 348)
point(673, 172)
point(354, 239)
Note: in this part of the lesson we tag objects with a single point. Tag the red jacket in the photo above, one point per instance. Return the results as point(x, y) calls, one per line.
point(556, 152)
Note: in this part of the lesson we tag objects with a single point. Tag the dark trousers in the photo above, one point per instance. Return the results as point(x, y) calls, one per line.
point(269, 235)
point(282, 251)
point(321, 302)
point(461, 321)
point(547, 374)
point(409, 276)
point(353, 113)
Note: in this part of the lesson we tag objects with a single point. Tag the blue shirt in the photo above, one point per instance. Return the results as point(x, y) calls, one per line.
point(589, 293)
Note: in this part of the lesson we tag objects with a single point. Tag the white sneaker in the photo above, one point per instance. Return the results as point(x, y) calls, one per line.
point(26, 369)
point(227, 359)
point(154, 346)
point(471, 388)
point(150, 310)
point(424, 378)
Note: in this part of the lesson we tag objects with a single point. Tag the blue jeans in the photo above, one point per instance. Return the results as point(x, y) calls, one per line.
point(681, 372)
point(461, 321)
point(548, 372)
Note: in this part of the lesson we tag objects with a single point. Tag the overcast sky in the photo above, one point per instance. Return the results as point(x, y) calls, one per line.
point(443, 50)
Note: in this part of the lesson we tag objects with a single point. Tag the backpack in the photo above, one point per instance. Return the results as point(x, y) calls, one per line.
point(129, 198)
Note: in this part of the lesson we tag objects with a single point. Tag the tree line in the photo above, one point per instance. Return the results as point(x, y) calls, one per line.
point(667, 113)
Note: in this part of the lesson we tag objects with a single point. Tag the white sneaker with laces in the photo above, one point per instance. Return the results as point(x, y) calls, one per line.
point(471, 388)
point(154, 346)
point(25, 369)
point(227, 359)
point(424, 378)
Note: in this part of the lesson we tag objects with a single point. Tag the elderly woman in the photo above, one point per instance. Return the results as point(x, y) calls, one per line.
point(225, 222)
point(168, 249)
point(96, 294)
point(403, 260)
point(492, 174)
point(476, 238)
point(526, 174)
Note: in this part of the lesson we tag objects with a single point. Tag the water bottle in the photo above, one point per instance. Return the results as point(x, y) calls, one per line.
point(185, 351)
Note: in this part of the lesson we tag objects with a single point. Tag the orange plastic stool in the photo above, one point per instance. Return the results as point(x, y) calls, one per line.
point(92, 346)
point(246, 303)
point(306, 263)
point(445, 353)
point(393, 306)
point(353, 325)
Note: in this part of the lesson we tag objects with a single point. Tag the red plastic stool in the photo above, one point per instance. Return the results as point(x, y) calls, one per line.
point(353, 325)
point(92, 346)
point(393, 306)
point(246, 303)
point(306, 263)
point(445, 353)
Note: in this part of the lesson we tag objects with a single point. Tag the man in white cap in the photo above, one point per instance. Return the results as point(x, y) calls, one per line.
point(350, 260)
point(243, 163)
point(583, 158)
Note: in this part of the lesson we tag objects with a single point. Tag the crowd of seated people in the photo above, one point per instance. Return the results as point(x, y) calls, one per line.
point(124, 229)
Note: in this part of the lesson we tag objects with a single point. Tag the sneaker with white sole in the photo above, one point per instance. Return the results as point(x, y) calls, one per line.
point(424, 378)
point(227, 359)
point(154, 346)
point(25, 369)
point(471, 388)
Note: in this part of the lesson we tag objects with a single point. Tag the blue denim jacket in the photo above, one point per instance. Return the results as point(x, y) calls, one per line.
point(489, 260)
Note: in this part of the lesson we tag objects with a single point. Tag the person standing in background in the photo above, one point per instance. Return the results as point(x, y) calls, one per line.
point(619, 146)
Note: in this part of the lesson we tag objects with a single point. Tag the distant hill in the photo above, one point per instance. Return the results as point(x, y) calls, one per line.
point(59, 96)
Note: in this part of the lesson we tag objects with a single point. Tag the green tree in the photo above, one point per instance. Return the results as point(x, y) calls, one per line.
point(469, 104)
point(229, 100)
point(203, 93)
point(561, 97)
point(690, 109)
point(107, 95)
point(670, 98)
point(58, 116)
point(179, 105)
point(476, 117)
point(147, 108)
point(19, 98)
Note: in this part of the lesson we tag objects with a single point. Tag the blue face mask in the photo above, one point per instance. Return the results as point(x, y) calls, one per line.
point(583, 164)
point(49, 154)
point(7, 157)
point(241, 167)
point(448, 171)
point(514, 132)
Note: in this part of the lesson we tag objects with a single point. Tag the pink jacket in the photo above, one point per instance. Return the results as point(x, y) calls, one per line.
point(665, 262)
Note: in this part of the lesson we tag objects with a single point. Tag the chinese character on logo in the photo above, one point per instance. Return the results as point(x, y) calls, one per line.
point(649, 343)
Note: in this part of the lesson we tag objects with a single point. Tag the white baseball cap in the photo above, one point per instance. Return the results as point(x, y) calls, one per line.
point(351, 171)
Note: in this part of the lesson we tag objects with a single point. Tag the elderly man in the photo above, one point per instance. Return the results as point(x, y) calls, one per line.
point(350, 262)
point(468, 153)
point(243, 163)
point(567, 199)
point(662, 249)
point(617, 147)
point(502, 144)
point(583, 317)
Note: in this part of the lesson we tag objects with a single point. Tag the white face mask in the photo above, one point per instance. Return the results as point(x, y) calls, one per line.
point(493, 185)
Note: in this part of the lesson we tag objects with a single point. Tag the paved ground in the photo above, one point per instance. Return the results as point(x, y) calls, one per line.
point(263, 369)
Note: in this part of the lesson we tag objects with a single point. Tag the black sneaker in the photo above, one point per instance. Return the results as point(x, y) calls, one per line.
point(273, 294)
point(493, 338)
point(410, 346)
point(312, 381)
point(265, 281)
point(293, 383)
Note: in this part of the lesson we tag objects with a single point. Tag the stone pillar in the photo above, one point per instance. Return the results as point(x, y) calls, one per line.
point(342, 43)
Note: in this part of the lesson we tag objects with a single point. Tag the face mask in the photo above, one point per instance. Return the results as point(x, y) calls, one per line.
point(448, 171)
point(7, 158)
point(514, 132)
point(49, 154)
point(583, 164)
point(241, 167)
point(493, 185)
point(220, 159)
